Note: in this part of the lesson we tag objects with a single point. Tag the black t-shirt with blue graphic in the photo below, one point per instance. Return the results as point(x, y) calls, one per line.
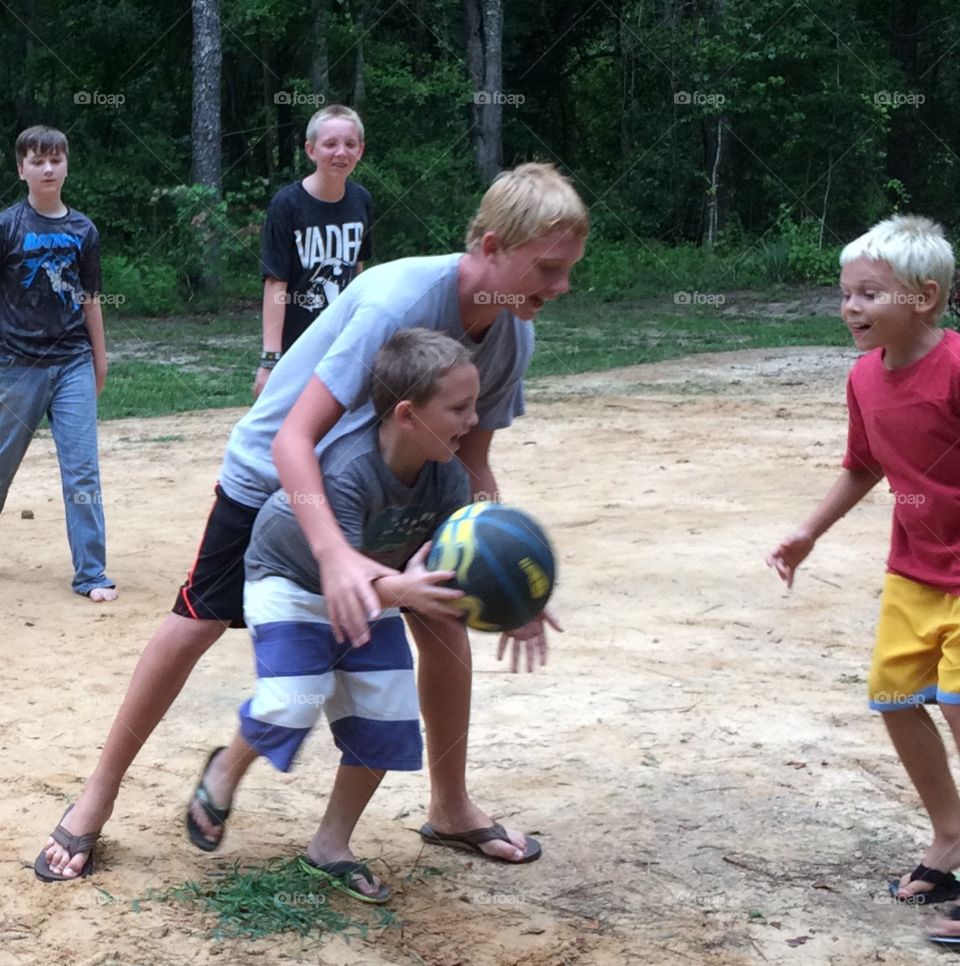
point(314, 247)
point(48, 266)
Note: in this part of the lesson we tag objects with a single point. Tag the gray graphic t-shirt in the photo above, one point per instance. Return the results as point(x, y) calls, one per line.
point(47, 267)
point(339, 348)
point(378, 515)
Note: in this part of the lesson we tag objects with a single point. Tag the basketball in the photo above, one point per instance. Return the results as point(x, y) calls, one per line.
point(503, 563)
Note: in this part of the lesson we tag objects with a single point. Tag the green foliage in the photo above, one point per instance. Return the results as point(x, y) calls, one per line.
point(820, 108)
point(807, 259)
point(648, 268)
point(140, 288)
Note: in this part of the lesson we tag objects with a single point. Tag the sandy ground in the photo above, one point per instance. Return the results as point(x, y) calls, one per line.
point(697, 757)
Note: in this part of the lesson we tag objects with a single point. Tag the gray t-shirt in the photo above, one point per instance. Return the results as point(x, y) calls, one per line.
point(379, 515)
point(340, 347)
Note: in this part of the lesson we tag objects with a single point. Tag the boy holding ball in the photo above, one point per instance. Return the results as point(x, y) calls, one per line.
point(389, 486)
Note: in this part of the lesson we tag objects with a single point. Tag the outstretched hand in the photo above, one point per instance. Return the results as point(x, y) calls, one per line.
point(531, 638)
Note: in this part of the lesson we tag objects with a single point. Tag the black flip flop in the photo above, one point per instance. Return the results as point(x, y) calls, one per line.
point(73, 844)
point(471, 842)
point(946, 887)
point(218, 816)
point(954, 913)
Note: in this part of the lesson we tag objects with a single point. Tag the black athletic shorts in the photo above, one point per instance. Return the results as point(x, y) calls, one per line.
point(213, 589)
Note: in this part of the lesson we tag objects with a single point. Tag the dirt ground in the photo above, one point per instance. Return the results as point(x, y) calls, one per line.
point(697, 757)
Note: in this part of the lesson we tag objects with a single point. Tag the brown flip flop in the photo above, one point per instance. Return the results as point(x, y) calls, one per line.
point(73, 844)
point(471, 842)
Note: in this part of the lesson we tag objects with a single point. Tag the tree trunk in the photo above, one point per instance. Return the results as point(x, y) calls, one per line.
point(205, 136)
point(360, 25)
point(207, 60)
point(713, 203)
point(319, 53)
point(484, 21)
point(716, 135)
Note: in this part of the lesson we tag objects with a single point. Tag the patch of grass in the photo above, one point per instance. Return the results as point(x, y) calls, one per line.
point(162, 366)
point(187, 363)
point(584, 335)
point(851, 679)
point(153, 389)
point(164, 438)
point(280, 896)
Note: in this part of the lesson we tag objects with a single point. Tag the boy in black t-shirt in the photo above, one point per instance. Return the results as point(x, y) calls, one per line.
point(316, 236)
point(53, 360)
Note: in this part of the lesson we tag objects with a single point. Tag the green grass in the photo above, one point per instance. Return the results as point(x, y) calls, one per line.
point(583, 335)
point(152, 389)
point(280, 896)
point(162, 366)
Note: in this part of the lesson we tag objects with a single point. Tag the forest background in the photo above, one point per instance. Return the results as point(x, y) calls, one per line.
point(720, 144)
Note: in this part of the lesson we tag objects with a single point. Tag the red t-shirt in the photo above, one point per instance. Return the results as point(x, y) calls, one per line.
point(905, 424)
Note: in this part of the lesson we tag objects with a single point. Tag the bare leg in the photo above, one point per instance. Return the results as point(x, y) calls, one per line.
point(222, 777)
point(942, 926)
point(352, 790)
point(444, 683)
point(158, 678)
point(920, 747)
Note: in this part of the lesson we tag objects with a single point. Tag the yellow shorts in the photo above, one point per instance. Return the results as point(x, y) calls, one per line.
point(917, 655)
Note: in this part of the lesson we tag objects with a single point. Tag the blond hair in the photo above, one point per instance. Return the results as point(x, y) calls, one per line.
point(329, 113)
point(526, 203)
point(410, 366)
point(915, 249)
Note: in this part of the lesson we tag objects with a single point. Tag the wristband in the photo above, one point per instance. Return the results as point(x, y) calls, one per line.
point(269, 359)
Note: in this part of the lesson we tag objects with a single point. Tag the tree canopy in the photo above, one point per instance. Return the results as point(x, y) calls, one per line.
point(681, 121)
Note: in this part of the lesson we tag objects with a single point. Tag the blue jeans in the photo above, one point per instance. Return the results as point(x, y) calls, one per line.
point(67, 395)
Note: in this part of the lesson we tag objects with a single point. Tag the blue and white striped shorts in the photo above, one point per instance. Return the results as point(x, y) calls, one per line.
point(368, 693)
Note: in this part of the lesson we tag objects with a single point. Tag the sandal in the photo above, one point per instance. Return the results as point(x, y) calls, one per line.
point(73, 844)
point(471, 842)
point(946, 887)
point(341, 876)
point(954, 913)
point(217, 816)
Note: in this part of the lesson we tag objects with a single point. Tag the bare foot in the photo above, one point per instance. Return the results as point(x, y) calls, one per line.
point(86, 817)
point(102, 595)
point(470, 818)
point(943, 857)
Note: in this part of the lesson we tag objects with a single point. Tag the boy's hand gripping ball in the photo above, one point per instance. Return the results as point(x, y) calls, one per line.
point(503, 562)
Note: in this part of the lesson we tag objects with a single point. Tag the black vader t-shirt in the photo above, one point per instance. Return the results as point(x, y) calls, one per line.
point(314, 247)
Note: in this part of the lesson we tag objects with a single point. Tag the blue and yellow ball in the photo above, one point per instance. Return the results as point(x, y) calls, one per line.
point(503, 563)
